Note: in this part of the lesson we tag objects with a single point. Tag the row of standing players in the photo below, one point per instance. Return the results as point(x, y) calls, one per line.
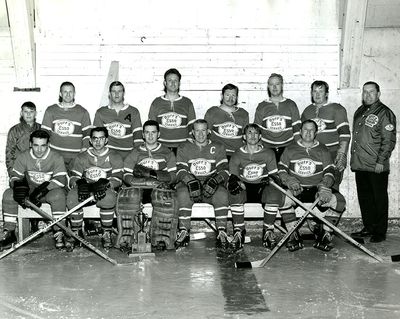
point(200, 173)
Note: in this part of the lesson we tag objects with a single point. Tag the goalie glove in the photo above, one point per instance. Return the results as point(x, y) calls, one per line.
point(38, 193)
point(20, 191)
point(324, 194)
point(341, 161)
point(194, 187)
point(83, 189)
point(234, 184)
point(143, 171)
point(99, 188)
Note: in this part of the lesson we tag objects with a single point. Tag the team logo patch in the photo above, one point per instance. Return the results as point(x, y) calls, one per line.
point(171, 120)
point(320, 124)
point(39, 177)
point(150, 163)
point(200, 167)
point(371, 120)
point(275, 123)
point(228, 129)
point(389, 127)
point(63, 127)
point(116, 129)
point(305, 167)
point(94, 173)
point(252, 172)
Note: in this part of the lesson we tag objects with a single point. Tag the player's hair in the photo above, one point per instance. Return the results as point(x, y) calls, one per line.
point(171, 71)
point(99, 129)
point(274, 75)
point(310, 121)
point(66, 83)
point(116, 83)
point(252, 125)
point(373, 83)
point(151, 123)
point(29, 105)
point(230, 86)
point(200, 121)
point(39, 134)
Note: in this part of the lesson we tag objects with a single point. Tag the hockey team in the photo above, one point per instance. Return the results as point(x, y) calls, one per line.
point(174, 160)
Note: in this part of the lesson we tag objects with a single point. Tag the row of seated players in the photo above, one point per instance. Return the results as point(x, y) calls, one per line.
point(200, 172)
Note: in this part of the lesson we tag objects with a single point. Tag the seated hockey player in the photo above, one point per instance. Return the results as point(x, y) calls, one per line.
point(307, 170)
point(96, 171)
point(250, 168)
point(38, 174)
point(202, 172)
point(149, 170)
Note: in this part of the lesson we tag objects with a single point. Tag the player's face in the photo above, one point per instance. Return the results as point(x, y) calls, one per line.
point(98, 140)
point(275, 86)
point(370, 94)
point(252, 136)
point(308, 132)
point(319, 94)
point(200, 132)
point(172, 83)
point(67, 94)
point(150, 134)
point(229, 97)
point(39, 146)
point(117, 94)
point(28, 114)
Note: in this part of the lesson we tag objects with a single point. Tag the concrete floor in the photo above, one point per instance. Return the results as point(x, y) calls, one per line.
point(199, 281)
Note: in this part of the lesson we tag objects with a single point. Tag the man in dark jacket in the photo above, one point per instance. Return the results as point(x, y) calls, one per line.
point(374, 138)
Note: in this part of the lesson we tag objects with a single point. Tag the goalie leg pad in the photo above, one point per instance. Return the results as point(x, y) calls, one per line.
point(164, 222)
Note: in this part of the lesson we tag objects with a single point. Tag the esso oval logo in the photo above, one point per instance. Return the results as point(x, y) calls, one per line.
point(39, 177)
point(320, 123)
point(305, 167)
point(228, 129)
point(200, 167)
point(116, 129)
point(94, 173)
point(275, 123)
point(150, 163)
point(63, 127)
point(171, 120)
point(252, 172)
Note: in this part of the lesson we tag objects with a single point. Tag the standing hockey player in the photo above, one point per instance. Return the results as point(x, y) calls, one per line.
point(96, 171)
point(227, 121)
point(38, 174)
point(68, 124)
point(278, 117)
point(250, 168)
point(333, 126)
point(307, 170)
point(121, 120)
point(174, 113)
point(202, 172)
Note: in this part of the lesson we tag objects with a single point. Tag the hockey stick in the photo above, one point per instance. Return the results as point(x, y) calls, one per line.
point(43, 230)
point(261, 263)
point(70, 232)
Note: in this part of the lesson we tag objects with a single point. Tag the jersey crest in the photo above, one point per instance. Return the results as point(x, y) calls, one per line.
point(228, 129)
point(252, 172)
point(39, 177)
point(305, 167)
point(94, 173)
point(171, 120)
point(371, 120)
point(320, 124)
point(63, 127)
point(275, 123)
point(200, 167)
point(150, 163)
point(116, 129)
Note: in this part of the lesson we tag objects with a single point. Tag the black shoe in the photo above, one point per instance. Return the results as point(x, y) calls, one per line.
point(377, 238)
point(7, 239)
point(362, 233)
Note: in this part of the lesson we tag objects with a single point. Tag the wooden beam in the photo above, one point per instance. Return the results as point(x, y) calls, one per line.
point(20, 15)
point(352, 42)
point(113, 74)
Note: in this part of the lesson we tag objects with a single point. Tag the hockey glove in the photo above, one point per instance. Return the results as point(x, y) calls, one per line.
point(324, 194)
point(210, 187)
point(341, 161)
point(234, 184)
point(294, 185)
point(38, 193)
point(83, 189)
point(275, 178)
point(99, 188)
point(20, 191)
point(143, 171)
point(194, 187)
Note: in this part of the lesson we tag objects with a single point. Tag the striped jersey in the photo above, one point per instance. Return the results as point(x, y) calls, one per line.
point(124, 128)
point(252, 167)
point(227, 128)
point(280, 124)
point(175, 119)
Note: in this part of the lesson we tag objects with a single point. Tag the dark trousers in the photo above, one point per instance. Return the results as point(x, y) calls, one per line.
point(373, 200)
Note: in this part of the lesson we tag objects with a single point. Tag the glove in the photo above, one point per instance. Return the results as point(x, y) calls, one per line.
point(83, 189)
point(99, 188)
point(294, 185)
point(194, 187)
point(341, 161)
point(210, 187)
point(38, 193)
point(324, 194)
point(143, 171)
point(234, 184)
point(21, 191)
point(275, 178)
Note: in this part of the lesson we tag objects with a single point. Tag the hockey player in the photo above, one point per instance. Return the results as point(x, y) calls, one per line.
point(250, 168)
point(202, 172)
point(333, 126)
point(38, 174)
point(152, 164)
point(96, 171)
point(227, 121)
point(68, 124)
point(174, 113)
point(307, 170)
point(278, 117)
point(121, 120)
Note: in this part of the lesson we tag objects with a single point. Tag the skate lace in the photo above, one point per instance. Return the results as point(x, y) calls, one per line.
point(270, 235)
point(182, 235)
point(222, 236)
point(237, 237)
point(58, 236)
